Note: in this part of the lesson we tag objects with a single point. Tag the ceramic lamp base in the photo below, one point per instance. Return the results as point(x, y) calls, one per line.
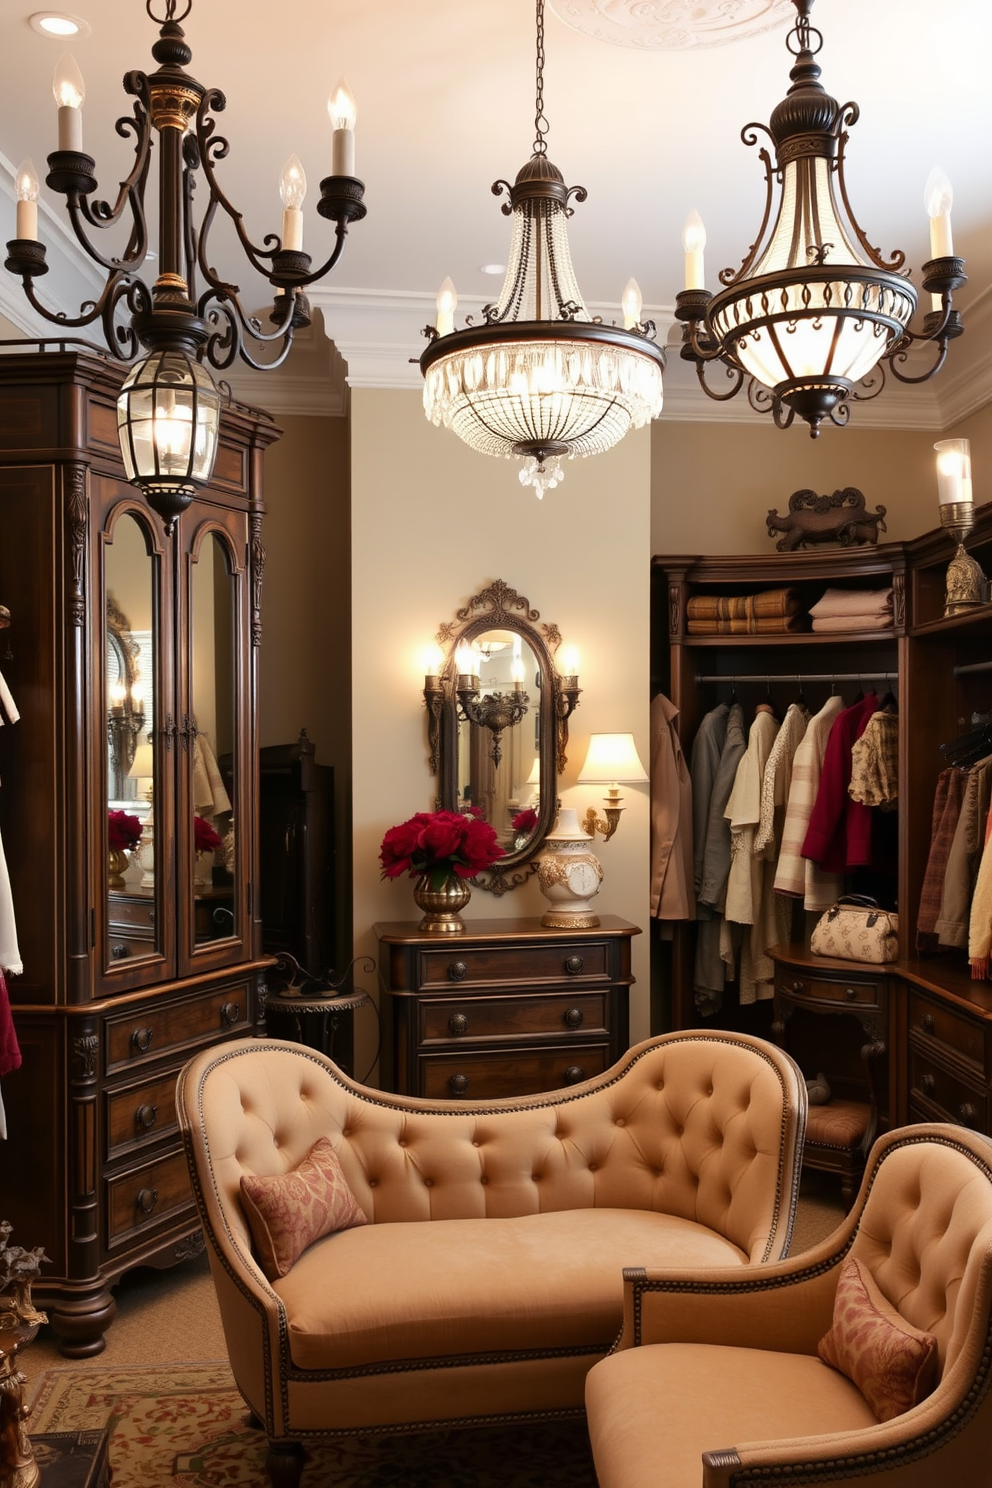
point(569, 875)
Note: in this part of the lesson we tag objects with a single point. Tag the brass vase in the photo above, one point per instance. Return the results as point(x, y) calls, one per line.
point(441, 904)
point(117, 863)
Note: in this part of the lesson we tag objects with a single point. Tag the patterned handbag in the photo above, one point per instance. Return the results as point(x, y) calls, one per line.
point(856, 929)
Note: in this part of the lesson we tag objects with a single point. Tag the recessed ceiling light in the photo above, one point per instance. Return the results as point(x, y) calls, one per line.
point(58, 25)
point(492, 268)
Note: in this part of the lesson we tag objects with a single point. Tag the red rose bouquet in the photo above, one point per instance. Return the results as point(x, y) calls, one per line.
point(205, 839)
point(123, 831)
point(525, 821)
point(439, 843)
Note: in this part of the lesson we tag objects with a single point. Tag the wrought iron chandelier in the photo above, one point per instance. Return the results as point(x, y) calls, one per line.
point(814, 311)
point(541, 378)
point(169, 406)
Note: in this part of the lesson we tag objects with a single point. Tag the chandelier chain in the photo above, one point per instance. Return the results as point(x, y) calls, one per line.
point(540, 120)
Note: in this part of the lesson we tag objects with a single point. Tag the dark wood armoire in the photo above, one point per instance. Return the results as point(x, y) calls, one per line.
point(133, 662)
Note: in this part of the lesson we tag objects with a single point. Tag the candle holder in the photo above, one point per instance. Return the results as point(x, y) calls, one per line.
point(966, 586)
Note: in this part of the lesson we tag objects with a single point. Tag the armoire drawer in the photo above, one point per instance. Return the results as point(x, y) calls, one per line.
point(959, 1101)
point(963, 1039)
point(141, 1113)
point(447, 1020)
point(145, 1196)
point(850, 991)
point(144, 1032)
point(483, 1075)
point(457, 966)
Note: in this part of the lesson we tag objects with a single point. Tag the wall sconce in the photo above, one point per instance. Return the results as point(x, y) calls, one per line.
point(966, 583)
point(125, 720)
point(567, 692)
point(612, 758)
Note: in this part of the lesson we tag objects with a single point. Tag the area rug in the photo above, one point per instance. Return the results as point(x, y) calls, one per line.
point(186, 1427)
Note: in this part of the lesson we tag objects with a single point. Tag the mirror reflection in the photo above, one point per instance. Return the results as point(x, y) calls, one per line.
point(499, 727)
point(129, 688)
point(212, 730)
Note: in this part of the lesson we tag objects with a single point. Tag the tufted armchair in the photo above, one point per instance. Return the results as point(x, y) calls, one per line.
point(490, 1275)
point(715, 1381)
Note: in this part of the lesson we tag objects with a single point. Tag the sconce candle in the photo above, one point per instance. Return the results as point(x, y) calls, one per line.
point(447, 302)
point(292, 190)
point(343, 114)
point(69, 90)
point(693, 243)
point(631, 303)
point(27, 202)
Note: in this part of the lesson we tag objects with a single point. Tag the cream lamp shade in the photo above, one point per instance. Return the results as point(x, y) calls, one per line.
point(612, 757)
point(143, 765)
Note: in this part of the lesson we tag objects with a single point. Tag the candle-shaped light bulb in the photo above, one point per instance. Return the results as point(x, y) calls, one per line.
point(137, 700)
point(938, 198)
point(693, 242)
point(517, 673)
point(342, 111)
point(433, 658)
point(117, 695)
point(292, 190)
point(631, 303)
point(953, 470)
point(69, 90)
point(447, 299)
point(570, 661)
point(465, 661)
point(27, 201)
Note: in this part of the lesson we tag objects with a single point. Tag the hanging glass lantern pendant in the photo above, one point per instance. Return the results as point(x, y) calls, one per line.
point(540, 379)
point(815, 308)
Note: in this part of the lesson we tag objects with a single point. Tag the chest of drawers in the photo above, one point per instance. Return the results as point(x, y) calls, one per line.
point(508, 1008)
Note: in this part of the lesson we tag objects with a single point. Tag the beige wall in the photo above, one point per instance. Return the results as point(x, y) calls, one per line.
point(305, 658)
point(432, 524)
point(712, 484)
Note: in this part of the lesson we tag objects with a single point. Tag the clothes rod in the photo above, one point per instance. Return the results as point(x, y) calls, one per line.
point(973, 667)
point(807, 676)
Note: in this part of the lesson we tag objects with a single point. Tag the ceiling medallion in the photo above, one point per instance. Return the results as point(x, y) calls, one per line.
point(672, 25)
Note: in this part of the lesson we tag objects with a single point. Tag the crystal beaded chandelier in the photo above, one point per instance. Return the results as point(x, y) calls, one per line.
point(541, 378)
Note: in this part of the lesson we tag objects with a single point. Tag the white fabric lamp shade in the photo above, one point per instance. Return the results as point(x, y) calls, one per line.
point(612, 757)
point(143, 765)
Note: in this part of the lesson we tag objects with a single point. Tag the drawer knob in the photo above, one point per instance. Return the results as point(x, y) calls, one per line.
point(573, 1017)
point(120, 952)
point(146, 1200)
point(928, 1084)
point(926, 1022)
point(457, 971)
point(230, 1012)
point(458, 1084)
point(799, 986)
point(145, 1117)
point(141, 1039)
point(574, 1074)
point(851, 994)
point(968, 1115)
point(574, 965)
point(458, 1023)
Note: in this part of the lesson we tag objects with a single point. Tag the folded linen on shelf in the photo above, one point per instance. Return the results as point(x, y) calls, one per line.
point(769, 603)
point(875, 620)
point(853, 602)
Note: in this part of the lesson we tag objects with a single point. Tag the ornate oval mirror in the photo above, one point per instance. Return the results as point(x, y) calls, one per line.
point(498, 711)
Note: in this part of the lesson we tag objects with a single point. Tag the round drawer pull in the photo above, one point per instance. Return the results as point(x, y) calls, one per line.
point(457, 971)
point(230, 1013)
point(458, 1084)
point(968, 1115)
point(928, 1084)
point(851, 993)
point(141, 1039)
point(573, 1017)
point(926, 1022)
point(458, 1023)
point(799, 986)
point(574, 965)
point(146, 1200)
point(145, 1117)
point(120, 952)
point(574, 1074)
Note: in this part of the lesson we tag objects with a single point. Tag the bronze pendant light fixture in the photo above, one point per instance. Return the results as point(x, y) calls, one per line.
point(540, 378)
point(814, 313)
point(169, 406)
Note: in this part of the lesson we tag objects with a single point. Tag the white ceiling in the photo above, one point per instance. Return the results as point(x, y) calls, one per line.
point(445, 92)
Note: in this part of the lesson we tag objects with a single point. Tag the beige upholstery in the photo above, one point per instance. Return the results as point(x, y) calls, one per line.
point(716, 1381)
point(490, 1277)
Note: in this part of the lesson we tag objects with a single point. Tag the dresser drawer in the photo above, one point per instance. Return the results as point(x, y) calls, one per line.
point(444, 1020)
point(130, 913)
point(141, 1113)
point(957, 1100)
point(149, 1032)
point(855, 991)
point(482, 1075)
point(959, 1037)
point(147, 1195)
point(526, 965)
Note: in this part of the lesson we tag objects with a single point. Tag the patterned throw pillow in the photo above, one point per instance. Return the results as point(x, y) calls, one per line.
point(892, 1363)
point(288, 1211)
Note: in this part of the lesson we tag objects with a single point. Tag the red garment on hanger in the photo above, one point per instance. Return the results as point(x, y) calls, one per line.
point(832, 822)
point(10, 1051)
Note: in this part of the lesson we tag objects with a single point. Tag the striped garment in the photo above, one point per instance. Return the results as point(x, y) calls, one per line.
point(795, 874)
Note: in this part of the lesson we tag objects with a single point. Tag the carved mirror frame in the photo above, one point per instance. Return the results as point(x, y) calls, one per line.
point(500, 607)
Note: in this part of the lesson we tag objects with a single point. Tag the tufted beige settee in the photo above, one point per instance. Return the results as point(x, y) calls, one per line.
point(490, 1278)
point(716, 1381)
